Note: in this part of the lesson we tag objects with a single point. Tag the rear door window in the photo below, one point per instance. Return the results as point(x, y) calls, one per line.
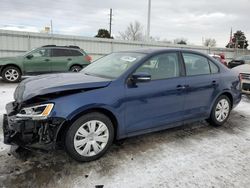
point(196, 64)
point(60, 52)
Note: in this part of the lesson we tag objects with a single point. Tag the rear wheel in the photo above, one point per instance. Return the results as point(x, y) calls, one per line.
point(11, 74)
point(220, 111)
point(89, 137)
point(75, 68)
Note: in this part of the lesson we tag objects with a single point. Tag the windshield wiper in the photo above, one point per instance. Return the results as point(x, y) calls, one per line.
point(101, 76)
point(87, 73)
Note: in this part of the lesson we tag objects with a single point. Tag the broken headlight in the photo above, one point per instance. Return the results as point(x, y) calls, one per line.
point(36, 112)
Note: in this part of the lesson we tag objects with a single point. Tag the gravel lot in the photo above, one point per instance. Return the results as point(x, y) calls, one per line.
point(195, 155)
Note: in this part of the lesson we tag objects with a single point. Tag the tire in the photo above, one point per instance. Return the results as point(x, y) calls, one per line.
point(11, 74)
point(83, 144)
point(75, 68)
point(220, 111)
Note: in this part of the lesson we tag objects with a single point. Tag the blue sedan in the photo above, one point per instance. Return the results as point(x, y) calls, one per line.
point(120, 95)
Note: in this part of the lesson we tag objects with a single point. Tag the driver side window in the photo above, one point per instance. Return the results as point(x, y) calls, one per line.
point(161, 66)
point(41, 53)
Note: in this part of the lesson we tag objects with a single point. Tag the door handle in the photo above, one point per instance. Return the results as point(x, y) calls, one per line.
point(46, 60)
point(214, 83)
point(69, 59)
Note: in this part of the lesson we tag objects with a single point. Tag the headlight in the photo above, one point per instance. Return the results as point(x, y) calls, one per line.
point(36, 112)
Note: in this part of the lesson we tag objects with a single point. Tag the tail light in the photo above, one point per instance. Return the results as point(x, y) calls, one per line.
point(88, 58)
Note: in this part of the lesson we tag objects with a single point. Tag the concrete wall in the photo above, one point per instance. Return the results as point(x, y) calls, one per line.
point(14, 43)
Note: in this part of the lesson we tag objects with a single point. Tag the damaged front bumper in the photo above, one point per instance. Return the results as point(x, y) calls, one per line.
point(28, 133)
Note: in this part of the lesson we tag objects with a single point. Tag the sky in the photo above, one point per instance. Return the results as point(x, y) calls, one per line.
point(170, 19)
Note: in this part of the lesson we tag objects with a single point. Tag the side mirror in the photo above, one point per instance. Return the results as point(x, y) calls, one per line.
point(141, 77)
point(30, 56)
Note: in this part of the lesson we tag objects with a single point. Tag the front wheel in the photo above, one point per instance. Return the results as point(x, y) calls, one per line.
point(11, 74)
point(89, 137)
point(220, 111)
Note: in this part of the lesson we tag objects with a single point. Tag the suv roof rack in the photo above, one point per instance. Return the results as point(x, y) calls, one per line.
point(51, 45)
point(70, 46)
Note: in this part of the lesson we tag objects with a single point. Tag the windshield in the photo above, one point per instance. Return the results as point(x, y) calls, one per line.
point(113, 65)
point(239, 58)
point(26, 53)
point(217, 58)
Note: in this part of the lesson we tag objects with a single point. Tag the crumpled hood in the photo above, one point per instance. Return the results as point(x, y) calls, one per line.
point(52, 83)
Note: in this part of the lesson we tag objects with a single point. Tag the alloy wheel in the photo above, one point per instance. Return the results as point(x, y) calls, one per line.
point(11, 75)
point(76, 69)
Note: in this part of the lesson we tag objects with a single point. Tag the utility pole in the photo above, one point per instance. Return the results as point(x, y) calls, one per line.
point(110, 21)
point(51, 31)
point(51, 27)
point(149, 17)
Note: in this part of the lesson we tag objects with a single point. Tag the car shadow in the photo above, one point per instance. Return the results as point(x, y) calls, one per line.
point(43, 168)
point(2, 82)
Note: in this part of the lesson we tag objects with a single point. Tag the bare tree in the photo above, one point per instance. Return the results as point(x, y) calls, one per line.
point(209, 42)
point(180, 41)
point(133, 32)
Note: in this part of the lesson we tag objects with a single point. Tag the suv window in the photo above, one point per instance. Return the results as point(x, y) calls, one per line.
point(196, 64)
point(40, 53)
point(239, 58)
point(161, 66)
point(247, 57)
point(75, 53)
point(60, 52)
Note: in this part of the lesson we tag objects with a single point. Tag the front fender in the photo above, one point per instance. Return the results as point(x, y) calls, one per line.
point(11, 62)
point(100, 108)
point(69, 107)
point(90, 107)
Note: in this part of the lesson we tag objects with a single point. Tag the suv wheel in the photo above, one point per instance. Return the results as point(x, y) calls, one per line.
point(75, 68)
point(89, 137)
point(11, 74)
point(220, 111)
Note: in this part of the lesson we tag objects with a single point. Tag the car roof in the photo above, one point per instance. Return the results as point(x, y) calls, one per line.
point(158, 50)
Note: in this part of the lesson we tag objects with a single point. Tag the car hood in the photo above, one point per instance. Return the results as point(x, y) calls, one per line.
point(54, 83)
point(242, 69)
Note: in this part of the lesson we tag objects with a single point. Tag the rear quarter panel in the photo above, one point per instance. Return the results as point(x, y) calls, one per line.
point(230, 84)
point(78, 60)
